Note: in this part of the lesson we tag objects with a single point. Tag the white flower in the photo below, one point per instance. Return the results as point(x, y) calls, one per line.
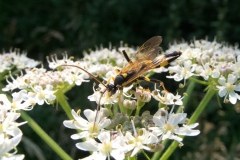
point(143, 95)
point(228, 88)
point(56, 62)
point(106, 98)
point(20, 61)
point(4, 103)
point(8, 124)
point(207, 70)
point(74, 75)
point(139, 140)
point(18, 82)
point(13, 157)
point(9, 140)
point(43, 95)
point(187, 130)
point(236, 68)
point(160, 70)
point(10, 134)
point(167, 125)
point(168, 98)
point(18, 100)
point(108, 146)
point(90, 127)
point(182, 72)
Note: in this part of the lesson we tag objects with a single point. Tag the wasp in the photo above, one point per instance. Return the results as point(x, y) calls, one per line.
point(147, 57)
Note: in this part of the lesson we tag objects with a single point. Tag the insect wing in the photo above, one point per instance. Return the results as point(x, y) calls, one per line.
point(147, 52)
point(144, 59)
point(144, 67)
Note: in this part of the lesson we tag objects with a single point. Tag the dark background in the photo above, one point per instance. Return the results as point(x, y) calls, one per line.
point(44, 27)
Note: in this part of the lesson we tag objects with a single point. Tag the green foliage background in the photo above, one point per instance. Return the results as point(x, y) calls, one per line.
point(44, 27)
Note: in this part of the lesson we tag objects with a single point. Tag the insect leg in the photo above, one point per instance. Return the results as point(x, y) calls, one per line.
point(126, 56)
point(153, 81)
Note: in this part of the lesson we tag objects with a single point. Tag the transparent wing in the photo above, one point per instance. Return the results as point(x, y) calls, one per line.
point(144, 67)
point(147, 52)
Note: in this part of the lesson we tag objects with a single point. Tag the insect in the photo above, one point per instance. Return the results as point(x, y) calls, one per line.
point(147, 57)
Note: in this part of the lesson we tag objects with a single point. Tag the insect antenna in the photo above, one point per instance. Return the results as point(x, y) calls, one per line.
point(91, 75)
point(98, 108)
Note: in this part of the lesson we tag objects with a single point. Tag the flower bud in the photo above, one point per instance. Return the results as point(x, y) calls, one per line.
point(129, 104)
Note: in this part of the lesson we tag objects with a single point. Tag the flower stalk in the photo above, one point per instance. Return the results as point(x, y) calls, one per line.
point(48, 140)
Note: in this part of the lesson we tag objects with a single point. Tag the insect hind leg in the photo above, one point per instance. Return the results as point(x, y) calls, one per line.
point(126, 56)
point(153, 81)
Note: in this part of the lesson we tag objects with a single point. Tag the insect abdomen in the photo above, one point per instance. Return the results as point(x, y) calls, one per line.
point(172, 56)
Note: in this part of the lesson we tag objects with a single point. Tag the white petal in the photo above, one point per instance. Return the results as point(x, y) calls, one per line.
point(175, 119)
point(156, 130)
point(215, 74)
point(159, 121)
point(94, 156)
point(193, 125)
point(135, 151)
point(118, 154)
point(233, 97)
point(90, 115)
point(237, 87)
point(90, 145)
point(104, 137)
point(178, 77)
point(222, 91)
point(222, 81)
point(104, 122)
point(232, 79)
point(186, 132)
point(80, 135)
point(70, 124)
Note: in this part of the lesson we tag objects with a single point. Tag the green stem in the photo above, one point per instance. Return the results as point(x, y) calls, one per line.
point(131, 158)
point(193, 119)
point(185, 101)
point(189, 93)
point(140, 104)
point(62, 100)
point(45, 136)
point(198, 81)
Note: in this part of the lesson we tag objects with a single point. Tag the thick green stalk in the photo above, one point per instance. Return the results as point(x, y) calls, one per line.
point(193, 119)
point(45, 136)
point(62, 100)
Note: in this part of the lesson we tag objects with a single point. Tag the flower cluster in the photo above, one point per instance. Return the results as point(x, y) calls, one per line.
point(217, 64)
point(16, 59)
point(119, 128)
point(129, 135)
point(10, 134)
point(124, 134)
